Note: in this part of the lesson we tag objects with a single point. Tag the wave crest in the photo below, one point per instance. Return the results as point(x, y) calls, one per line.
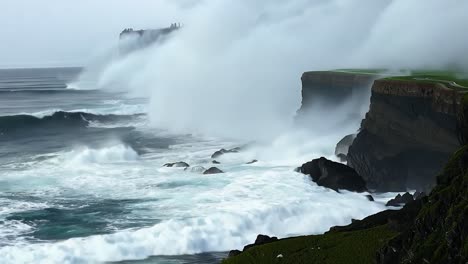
point(59, 119)
point(111, 154)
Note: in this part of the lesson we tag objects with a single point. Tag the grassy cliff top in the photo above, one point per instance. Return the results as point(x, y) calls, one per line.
point(338, 247)
point(451, 79)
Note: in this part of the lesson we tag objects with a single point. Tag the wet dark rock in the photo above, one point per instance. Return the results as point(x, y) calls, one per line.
point(342, 147)
point(398, 220)
point(179, 164)
point(213, 170)
point(224, 151)
point(370, 198)
point(252, 162)
point(400, 200)
point(406, 137)
point(216, 162)
point(334, 175)
point(261, 240)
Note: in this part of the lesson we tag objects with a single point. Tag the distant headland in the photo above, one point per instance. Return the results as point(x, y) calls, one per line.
point(146, 37)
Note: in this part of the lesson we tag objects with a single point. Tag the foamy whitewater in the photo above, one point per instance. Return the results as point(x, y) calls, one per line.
point(82, 181)
point(82, 150)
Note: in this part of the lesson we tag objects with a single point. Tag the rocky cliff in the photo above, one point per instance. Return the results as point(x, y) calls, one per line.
point(322, 89)
point(432, 229)
point(407, 135)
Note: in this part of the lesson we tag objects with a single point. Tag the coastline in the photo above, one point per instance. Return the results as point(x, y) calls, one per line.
point(442, 107)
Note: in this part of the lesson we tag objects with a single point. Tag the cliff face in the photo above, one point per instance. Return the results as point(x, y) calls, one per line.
point(407, 135)
point(328, 89)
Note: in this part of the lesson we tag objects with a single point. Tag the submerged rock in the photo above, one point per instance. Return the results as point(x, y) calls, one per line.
point(197, 169)
point(224, 151)
point(252, 162)
point(334, 175)
point(179, 164)
point(370, 198)
point(213, 170)
point(216, 162)
point(400, 200)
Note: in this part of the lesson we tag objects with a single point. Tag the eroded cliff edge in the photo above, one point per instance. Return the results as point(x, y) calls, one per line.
point(407, 135)
point(327, 89)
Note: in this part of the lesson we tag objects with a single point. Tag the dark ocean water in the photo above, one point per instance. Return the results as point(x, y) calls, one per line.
point(41, 118)
point(82, 181)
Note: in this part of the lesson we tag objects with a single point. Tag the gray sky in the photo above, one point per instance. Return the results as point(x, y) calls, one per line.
point(69, 32)
point(38, 33)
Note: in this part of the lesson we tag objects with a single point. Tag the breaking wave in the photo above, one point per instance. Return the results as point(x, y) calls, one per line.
point(59, 119)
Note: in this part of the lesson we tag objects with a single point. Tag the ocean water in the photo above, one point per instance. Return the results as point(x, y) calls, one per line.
point(82, 181)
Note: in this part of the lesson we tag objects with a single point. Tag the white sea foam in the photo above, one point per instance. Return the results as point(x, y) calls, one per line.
point(111, 154)
point(224, 219)
point(199, 213)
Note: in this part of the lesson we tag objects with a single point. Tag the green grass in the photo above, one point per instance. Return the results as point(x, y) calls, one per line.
point(363, 71)
point(443, 77)
point(357, 247)
point(423, 76)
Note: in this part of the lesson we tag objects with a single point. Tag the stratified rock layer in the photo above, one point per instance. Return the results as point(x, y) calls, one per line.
point(325, 91)
point(407, 135)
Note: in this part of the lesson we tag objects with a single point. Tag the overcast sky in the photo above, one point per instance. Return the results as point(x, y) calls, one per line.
point(40, 33)
point(68, 32)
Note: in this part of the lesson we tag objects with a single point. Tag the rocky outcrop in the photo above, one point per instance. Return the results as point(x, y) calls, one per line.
point(407, 135)
point(221, 152)
point(261, 240)
point(179, 164)
point(400, 200)
point(213, 170)
point(334, 175)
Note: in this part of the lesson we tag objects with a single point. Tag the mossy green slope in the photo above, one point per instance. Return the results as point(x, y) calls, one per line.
point(357, 247)
point(440, 231)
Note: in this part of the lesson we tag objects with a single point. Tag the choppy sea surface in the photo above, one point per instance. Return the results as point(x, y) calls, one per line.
point(82, 181)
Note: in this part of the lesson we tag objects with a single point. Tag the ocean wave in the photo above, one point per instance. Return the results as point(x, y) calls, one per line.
point(110, 154)
point(61, 119)
point(214, 233)
point(42, 91)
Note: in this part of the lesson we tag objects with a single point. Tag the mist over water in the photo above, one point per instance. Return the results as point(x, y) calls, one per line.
point(234, 69)
point(94, 189)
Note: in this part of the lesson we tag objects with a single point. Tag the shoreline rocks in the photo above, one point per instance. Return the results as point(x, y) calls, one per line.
point(222, 151)
point(213, 170)
point(333, 175)
point(179, 164)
